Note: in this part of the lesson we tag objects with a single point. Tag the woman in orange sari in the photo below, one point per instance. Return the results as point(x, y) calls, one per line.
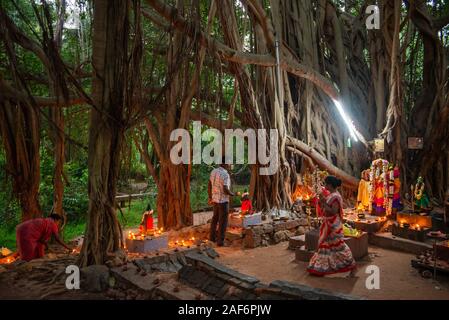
point(333, 255)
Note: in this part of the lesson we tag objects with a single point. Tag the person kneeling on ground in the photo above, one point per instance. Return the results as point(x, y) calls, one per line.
point(219, 191)
point(32, 236)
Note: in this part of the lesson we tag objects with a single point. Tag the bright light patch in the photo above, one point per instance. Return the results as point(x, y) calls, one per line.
point(352, 130)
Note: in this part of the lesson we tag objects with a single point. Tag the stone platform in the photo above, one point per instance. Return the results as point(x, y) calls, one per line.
point(358, 245)
point(388, 241)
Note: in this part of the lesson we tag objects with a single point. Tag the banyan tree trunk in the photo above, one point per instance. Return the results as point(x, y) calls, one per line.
point(57, 126)
point(103, 234)
point(173, 201)
point(20, 132)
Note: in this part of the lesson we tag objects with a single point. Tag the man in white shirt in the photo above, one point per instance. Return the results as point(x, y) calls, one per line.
point(219, 191)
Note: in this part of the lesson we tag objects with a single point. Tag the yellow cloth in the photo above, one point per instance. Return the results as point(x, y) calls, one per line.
point(397, 185)
point(363, 197)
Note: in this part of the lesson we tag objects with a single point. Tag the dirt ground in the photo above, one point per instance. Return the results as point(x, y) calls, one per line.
point(398, 280)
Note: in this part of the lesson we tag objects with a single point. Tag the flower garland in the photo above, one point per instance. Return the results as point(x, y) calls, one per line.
point(386, 175)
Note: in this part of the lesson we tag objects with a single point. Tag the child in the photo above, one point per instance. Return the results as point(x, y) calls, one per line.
point(147, 220)
point(246, 205)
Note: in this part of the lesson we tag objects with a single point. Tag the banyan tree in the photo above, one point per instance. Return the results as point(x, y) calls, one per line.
point(153, 66)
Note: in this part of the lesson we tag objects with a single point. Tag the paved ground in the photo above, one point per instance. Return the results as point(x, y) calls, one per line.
point(398, 280)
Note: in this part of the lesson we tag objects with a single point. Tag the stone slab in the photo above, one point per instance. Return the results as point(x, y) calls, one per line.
point(173, 290)
point(308, 293)
point(296, 242)
point(147, 245)
point(301, 254)
point(197, 258)
point(388, 241)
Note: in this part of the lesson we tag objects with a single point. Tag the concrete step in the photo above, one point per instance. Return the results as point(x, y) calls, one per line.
point(387, 241)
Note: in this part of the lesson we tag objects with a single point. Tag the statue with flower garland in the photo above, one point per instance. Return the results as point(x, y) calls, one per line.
point(420, 195)
point(363, 195)
point(396, 182)
point(380, 200)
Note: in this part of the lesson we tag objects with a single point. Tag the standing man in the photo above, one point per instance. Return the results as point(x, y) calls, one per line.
point(219, 191)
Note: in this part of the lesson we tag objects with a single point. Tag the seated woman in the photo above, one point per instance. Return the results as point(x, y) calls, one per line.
point(32, 236)
point(147, 220)
point(333, 255)
point(246, 205)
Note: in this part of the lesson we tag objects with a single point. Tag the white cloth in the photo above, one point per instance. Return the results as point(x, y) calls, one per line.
point(219, 178)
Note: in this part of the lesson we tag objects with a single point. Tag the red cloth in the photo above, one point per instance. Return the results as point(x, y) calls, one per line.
point(247, 206)
point(31, 236)
point(325, 192)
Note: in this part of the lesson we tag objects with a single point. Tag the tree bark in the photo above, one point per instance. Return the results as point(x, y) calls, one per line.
point(103, 234)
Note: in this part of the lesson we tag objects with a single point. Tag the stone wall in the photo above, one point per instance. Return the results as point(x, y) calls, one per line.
point(273, 232)
point(217, 281)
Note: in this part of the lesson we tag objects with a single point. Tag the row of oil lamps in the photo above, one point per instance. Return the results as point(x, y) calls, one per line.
point(182, 243)
point(380, 219)
point(413, 227)
point(154, 232)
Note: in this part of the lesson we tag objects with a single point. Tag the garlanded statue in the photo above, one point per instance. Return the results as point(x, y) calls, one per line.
point(396, 190)
point(421, 198)
point(379, 187)
point(363, 196)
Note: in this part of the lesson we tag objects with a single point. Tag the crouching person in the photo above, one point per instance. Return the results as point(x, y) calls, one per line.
point(32, 236)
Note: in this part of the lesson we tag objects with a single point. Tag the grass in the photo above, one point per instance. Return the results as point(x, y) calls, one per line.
point(8, 238)
point(131, 217)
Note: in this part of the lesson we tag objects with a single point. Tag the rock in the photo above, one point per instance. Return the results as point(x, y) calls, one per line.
point(279, 226)
point(292, 224)
point(281, 236)
point(95, 278)
point(427, 274)
point(300, 231)
point(258, 230)
point(132, 294)
point(111, 293)
point(264, 243)
point(268, 228)
point(251, 240)
point(51, 256)
point(295, 242)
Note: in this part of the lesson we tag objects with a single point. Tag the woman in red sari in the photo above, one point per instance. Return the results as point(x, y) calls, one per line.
point(32, 236)
point(333, 255)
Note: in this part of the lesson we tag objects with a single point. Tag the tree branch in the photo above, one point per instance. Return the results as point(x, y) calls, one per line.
point(322, 162)
point(10, 93)
point(267, 60)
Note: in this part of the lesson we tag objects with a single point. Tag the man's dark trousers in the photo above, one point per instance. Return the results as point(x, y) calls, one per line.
point(220, 217)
